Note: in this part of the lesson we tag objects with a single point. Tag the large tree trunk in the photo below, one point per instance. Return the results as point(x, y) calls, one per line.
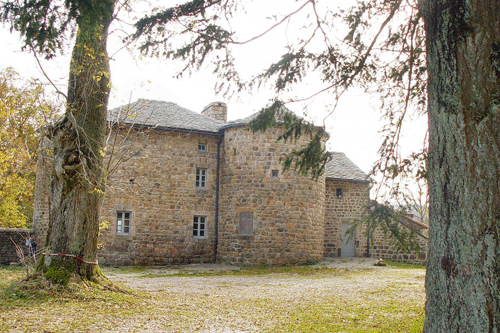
point(463, 273)
point(78, 139)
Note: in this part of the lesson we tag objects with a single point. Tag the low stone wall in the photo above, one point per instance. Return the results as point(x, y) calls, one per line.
point(383, 249)
point(7, 248)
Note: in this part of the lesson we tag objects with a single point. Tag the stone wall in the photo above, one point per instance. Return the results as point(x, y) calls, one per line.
point(7, 248)
point(382, 248)
point(155, 183)
point(267, 217)
point(41, 195)
point(344, 209)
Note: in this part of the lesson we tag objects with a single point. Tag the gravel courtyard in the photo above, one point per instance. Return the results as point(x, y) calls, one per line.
point(352, 290)
point(333, 296)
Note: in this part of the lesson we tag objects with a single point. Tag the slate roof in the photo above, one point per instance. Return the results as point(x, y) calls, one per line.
point(164, 115)
point(240, 122)
point(245, 121)
point(342, 168)
point(168, 115)
point(414, 223)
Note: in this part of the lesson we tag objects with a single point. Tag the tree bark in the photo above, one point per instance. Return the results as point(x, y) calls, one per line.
point(77, 185)
point(463, 272)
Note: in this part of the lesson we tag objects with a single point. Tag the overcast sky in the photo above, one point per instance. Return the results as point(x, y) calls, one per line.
point(354, 126)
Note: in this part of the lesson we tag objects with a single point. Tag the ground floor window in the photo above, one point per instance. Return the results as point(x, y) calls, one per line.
point(199, 227)
point(246, 224)
point(123, 223)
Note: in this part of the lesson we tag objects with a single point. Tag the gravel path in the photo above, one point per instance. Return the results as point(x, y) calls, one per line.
point(141, 281)
point(240, 303)
point(352, 296)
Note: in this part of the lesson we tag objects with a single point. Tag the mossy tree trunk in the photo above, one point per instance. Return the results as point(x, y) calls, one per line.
point(77, 185)
point(463, 272)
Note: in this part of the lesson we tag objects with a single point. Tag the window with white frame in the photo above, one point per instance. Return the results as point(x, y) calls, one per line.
point(123, 223)
point(199, 226)
point(202, 147)
point(201, 178)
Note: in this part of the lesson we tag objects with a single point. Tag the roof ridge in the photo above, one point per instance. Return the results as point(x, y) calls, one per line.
point(164, 114)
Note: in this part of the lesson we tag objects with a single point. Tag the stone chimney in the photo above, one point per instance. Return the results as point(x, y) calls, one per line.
point(216, 110)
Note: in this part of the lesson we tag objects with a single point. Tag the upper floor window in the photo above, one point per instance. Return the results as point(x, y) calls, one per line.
point(199, 226)
point(275, 174)
point(202, 147)
point(201, 178)
point(123, 223)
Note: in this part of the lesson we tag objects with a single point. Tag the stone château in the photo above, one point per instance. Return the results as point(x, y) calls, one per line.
point(185, 187)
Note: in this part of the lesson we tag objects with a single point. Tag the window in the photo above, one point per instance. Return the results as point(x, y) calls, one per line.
point(202, 147)
point(339, 193)
point(123, 223)
point(246, 224)
point(199, 227)
point(275, 174)
point(201, 178)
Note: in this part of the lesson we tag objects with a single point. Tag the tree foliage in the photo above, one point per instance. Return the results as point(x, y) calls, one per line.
point(391, 221)
point(312, 157)
point(381, 48)
point(24, 110)
point(437, 56)
point(206, 35)
point(378, 45)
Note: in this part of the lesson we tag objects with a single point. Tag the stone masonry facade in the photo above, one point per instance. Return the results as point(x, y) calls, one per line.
point(348, 207)
point(382, 248)
point(9, 237)
point(287, 208)
point(194, 188)
point(156, 185)
point(343, 209)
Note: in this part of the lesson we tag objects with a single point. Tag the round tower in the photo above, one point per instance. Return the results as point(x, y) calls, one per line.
point(267, 216)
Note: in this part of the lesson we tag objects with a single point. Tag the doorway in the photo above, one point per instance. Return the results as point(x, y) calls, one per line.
point(347, 245)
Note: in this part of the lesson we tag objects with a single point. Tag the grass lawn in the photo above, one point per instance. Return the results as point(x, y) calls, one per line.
point(290, 299)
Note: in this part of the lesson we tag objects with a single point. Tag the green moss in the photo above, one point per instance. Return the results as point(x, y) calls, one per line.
point(396, 264)
point(60, 272)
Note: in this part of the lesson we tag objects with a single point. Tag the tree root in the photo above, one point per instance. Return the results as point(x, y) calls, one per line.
point(38, 285)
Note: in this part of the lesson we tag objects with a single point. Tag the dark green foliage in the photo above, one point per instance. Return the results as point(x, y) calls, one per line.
point(340, 61)
point(310, 158)
point(46, 25)
point(43, 24)
point(267, 117)
point(209, 37)
point(148, 25)
point(290, 69)
point(205, 36)
point(384, 217)
point(212, 38)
